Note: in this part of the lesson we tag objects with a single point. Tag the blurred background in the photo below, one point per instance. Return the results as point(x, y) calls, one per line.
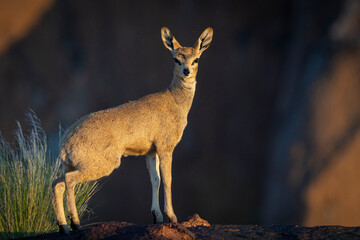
point(273, 135)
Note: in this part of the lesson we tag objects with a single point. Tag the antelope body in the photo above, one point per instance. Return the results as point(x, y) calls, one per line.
point(153, 125)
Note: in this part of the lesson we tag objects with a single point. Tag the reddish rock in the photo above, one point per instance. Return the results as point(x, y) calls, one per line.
point(169, 231)
point(115, 230)
point(195, 221)
point(200, 229)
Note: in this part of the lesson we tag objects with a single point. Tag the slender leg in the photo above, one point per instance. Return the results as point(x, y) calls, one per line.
point(165, 167)
point(152, 162)
point(58, 199)
point(71, 179)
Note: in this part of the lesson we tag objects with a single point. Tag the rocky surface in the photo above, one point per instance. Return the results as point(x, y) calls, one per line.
point(197, 228)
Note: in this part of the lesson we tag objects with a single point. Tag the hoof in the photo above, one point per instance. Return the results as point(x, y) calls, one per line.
point(173, 219)
point(74, 226)
point(154, 217)
point(158, 219)
point(64, 229)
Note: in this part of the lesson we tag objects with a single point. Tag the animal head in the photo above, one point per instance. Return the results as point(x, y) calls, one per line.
point(186, 58)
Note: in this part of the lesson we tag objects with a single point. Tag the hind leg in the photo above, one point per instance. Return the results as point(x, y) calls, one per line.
point(71, 179)
point(58, 196)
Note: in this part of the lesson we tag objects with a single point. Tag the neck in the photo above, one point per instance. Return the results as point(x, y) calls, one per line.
point(183, 90)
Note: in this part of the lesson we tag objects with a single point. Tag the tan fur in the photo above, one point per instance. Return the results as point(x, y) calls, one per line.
point(153, 125)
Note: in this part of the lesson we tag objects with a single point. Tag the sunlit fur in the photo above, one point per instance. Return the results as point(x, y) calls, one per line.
point(153, 125)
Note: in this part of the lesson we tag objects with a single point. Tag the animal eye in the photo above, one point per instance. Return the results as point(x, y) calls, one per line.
point(196, 61)
point(177, 61)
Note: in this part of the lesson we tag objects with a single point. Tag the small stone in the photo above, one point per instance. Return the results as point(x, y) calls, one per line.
point(195, 221)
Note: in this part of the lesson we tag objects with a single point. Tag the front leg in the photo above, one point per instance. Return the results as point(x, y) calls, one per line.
point(165, 168)
point(152, 162)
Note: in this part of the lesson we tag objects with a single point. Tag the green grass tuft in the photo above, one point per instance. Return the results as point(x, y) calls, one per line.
point(27, 171)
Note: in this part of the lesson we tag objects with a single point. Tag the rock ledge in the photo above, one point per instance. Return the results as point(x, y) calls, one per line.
point(197, 228)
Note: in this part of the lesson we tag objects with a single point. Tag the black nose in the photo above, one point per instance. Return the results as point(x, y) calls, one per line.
point(186, 71)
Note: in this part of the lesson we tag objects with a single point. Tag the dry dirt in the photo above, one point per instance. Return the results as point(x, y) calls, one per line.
point(197, 228)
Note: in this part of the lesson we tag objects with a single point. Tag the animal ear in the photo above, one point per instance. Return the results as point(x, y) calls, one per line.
point(204, 40)
point(169, 40)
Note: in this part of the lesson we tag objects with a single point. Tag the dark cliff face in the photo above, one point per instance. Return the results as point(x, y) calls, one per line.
point(275, 114)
